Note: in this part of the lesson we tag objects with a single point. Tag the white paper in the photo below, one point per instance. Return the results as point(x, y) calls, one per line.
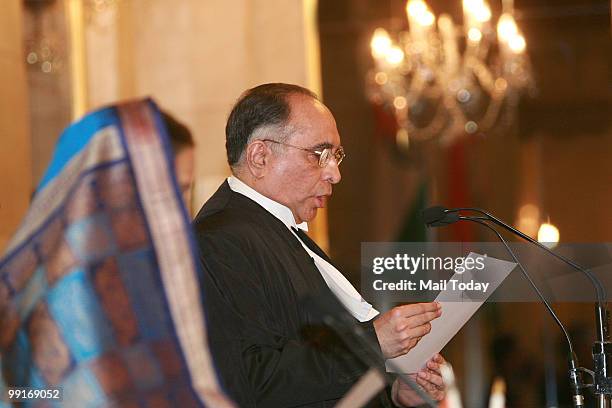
point(457, 308)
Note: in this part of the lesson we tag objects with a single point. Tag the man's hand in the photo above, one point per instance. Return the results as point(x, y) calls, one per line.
point(429, 378)
point(400, 329)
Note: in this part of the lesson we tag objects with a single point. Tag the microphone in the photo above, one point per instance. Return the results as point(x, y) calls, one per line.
point(439, 216)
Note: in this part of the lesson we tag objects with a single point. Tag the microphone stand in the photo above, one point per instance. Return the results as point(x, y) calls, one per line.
point(576, 382)
point(602, 348)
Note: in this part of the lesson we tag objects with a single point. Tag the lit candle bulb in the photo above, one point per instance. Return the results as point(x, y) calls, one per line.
point(395, 56)
point(420, 19)
point(475, 13)
point(506, 28)
point(498, 394)
point(548, 235)
point(510, 38)
point(517, 44)
point(381, 43)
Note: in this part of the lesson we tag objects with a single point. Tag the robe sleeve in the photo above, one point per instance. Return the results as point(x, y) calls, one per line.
point(259, 362)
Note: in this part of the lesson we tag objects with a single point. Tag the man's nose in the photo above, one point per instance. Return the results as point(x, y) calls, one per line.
point(332, 172)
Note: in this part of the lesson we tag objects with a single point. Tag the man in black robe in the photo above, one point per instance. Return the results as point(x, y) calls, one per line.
point(284, 151)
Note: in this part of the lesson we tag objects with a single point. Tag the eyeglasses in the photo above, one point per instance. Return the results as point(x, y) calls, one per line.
point(324, 155)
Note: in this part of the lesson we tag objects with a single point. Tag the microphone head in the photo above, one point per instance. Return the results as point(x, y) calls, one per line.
point(433, 214)
point(438, 216)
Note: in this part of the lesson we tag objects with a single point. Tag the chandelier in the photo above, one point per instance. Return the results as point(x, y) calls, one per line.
point(447, 81)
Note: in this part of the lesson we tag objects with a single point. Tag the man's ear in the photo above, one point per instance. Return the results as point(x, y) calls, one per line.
point(257, 156)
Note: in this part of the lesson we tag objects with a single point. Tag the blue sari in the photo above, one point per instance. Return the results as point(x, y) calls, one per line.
point(99, 295)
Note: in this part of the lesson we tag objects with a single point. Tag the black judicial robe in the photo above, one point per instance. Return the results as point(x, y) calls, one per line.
point(265, 343)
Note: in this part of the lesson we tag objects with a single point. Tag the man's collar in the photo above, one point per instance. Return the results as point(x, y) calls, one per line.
point(276, 209)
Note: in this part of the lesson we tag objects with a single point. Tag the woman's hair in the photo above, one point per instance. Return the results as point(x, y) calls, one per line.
point(180, 136)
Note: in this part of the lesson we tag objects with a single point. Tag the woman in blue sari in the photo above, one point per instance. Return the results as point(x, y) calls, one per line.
point(98, 288)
